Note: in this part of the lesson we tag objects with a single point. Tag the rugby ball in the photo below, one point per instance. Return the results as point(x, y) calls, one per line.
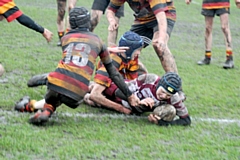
point(166, 112)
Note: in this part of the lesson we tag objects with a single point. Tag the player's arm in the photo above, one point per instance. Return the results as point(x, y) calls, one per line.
point(117, 78)
point(111, 10)
point(28, 22)
point(97, 96)
point(181, 121)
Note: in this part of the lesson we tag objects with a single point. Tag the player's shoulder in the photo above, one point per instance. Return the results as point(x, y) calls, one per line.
point(148, 78)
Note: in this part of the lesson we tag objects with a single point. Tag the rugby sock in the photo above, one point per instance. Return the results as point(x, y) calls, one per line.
point(208, 54)
point(67, 30)
point(48, 109)
point(30, 106)
point(39, 104)
point(60, 35)
point(229, 54)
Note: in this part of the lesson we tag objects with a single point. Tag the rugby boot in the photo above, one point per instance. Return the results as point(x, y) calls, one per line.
point(25, 105)
point(42, 116)
point(205, 61)
point(228, 63)
point(59, 43)
point(38, 80)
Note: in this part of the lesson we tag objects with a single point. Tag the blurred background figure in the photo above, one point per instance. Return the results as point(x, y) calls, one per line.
point(61, 25)
point(98, 9)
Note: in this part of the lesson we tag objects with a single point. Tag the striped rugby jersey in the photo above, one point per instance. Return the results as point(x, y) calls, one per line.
point(127, 70)
point(144, 10)
point(9, 10)
point(215, 4)
point(145, 87)
point(74, 71)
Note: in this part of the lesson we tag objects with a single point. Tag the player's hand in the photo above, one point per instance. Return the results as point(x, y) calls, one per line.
point(188, 1)
point(153, 118)
point(125, 110)
point(237, 3)
point(161, 44)
point(134, 100)
point(47, 35)
point(147, 102)
point(118, 49)
point(112, 25)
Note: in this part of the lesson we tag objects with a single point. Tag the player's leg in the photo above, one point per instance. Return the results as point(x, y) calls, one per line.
point(95, 18)
point(71, 4)
point(25, 104)
point(209, 16)
point(97, 10)
point(52, 101)
point(167, 60)
point(61, 8)
point(38, 80)
point(224, 18)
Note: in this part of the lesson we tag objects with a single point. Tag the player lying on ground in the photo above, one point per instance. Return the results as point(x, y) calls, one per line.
point(126, 61)
point(68, 84)
point(153, 91)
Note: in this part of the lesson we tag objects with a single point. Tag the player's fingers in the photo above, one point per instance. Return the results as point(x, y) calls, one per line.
point(157, 117)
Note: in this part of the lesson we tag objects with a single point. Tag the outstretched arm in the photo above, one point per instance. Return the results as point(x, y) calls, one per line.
point(28, 22)
point(97, 96)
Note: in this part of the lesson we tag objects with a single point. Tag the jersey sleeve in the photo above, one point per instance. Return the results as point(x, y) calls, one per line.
point(158, 6)
point(102, 76)
point(114, 5)
point(181, 109)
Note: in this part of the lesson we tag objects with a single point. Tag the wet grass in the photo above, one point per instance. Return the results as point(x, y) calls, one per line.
point(92, 133)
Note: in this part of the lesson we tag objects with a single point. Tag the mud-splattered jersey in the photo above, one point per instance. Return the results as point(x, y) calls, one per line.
point(80, 51)
point(127, 70)
point(144, 10)
point(145, 87)
point(9, 10)
point(215, 4)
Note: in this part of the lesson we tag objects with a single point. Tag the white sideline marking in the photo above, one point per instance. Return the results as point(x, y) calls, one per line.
point(116, 116)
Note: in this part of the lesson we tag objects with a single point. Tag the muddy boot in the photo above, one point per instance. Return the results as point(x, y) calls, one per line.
point(42, 116)
point(205, 61)
point(229, 63)
point(38, 80)
point(23, 105)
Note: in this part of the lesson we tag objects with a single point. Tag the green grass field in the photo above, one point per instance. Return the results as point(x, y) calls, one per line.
point(213, 96)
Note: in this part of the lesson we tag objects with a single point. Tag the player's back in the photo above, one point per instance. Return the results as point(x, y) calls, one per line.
point(80, 51)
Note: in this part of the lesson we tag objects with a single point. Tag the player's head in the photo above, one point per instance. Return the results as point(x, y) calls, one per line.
point(131, 40)
point(171, 82)
point(79, 17)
